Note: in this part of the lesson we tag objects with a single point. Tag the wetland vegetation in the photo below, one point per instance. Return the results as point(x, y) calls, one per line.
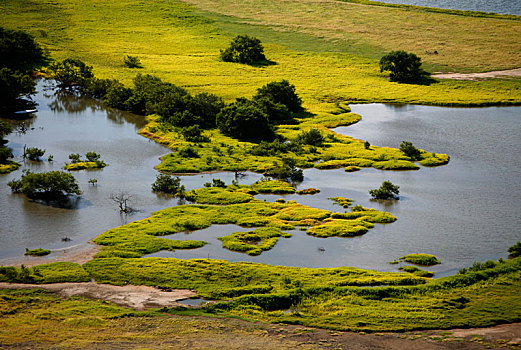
point(216, 115)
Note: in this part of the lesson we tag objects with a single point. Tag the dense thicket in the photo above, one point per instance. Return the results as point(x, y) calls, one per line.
point(245, 120)
point(52, 185)
point(244, 49)
point(18, 50)
point(404, 68)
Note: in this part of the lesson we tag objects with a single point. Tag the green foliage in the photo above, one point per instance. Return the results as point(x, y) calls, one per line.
point(34, 153)
point(52, 185)
point(85, 165)
point(18, 49)
point(217, 195)
point(244, 49)
point(75, 157)
point(188, 152)
point(168, 184)
point(14, 85)
point(416, 271)
point(37, 252)
point(5, 154)
point(515, 250)
point(280, 92)
point(421, 259)
point(342, 201)
point(253, 242)
point(287, 171)
point(92, 156)
point(404, 68)
point(47, 273)
point(132, 62)
point(409, 150)
point(193, 134)
point(5, 129)
point(386, 191)
point(71, 73)
point(311, 137)
point(244, 120)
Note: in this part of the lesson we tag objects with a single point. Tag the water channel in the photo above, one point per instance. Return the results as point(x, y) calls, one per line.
point(465, 211)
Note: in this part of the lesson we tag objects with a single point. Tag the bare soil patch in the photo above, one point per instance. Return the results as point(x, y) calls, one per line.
point(480, 76)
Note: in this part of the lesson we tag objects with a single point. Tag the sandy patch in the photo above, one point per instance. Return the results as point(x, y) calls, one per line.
point(136, 297)
point(479, 76)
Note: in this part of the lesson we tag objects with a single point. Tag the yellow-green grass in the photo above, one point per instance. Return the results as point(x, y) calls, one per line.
point(9, 167)
point(416, 271)
point(310, 190)
point(85, 165)
point(37, 252)
point(234, 205)
point(46, 273)
point(182, 47)
point(342, 201)
point(253, 242)
point(421, 259)
point(371, 31)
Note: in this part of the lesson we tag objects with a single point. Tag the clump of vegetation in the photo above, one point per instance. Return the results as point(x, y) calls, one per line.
point(132, 62)
point(70, 73)
point(244, 120)
point(18, 50)
point(253, 242)
point(310, 190)
point(92, 162)
point(421, 259)
point(52, 185)
point(47, 273)
point(244, 49)
point(386, 191)
point(75, 157)
point(168, 184)
point(404, 68)
point(515, 250)
point(311, 137)
point(416, 271)
point(478, 266)
point(342, 201)
point(410, 151)
point(14, 86)
point(287, 171)
point(37, 252)
point(34, 153)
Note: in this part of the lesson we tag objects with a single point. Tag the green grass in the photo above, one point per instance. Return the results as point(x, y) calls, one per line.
point(9, 167)
point(46, 273)
point(85, 165)
point(421, 259)
point(253, 242)
point(37, 252)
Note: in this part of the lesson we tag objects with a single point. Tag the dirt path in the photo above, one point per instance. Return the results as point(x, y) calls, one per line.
point(137, 297)
point(480, 76)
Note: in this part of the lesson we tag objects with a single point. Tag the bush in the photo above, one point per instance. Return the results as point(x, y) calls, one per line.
point(404, 68)
point(132, 62)
point(311, 137)
point(37, 252)
point(409, 150)
point(14, 85)
point(75, 157)
point(71, 72)
point(5, 154)
point(34, 153)
point(515, 250)
point(386, 191)
point(215, 183)
point(188, 152)
point(193, 134)
point(18, 49)
point(287, 171)
point(92, 156)
point(244, 49)
point(280, 92)
point(244, 120)
point(168, 184)
point(52, 185)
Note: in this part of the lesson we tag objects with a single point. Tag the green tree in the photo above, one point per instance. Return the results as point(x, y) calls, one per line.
point(75, 157)
point(311, 137)
point(5, 154)
point(52, 185)
point(34, 153)
point(515, 250)
point(244, 49)
point(132, 62)
point(14, 85)
point(71, 72)
point(244, 120)
point(410, 151)
point(386, 191)
point(281, 92)
point(18, 49)
point(404, 68)
point(168, 184)
point(5, 129)
point(92, 156)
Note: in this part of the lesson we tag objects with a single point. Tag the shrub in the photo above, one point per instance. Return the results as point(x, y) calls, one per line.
point(92, 156)
point(34, 153)
point(404, 68)
point(5, 153)
point(421, 259)
point(244, 120)
point(132, 62)
point(188, 152)
point(311, 137)
point(37, 252)
point(167, 184)
point(52, 185)
point(244, 49)
point(409, 150)
point(14, 85)
point(287, 171)
point(386, 191)
point(18, 49)
point(280, 92)
point(193, 134)
point(367, 145)
point(515, 250)
point(71, 72)
point(75, 157)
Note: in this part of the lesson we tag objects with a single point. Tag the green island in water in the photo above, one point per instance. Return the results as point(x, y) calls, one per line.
point(273, 115)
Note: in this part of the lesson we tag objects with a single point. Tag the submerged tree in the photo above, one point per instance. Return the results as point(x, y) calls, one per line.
point(52, 185)
point(168, 184)
point(386, 191)
point(123, 199)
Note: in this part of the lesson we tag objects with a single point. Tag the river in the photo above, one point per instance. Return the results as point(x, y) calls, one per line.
point(465, 211)
point(510, 7)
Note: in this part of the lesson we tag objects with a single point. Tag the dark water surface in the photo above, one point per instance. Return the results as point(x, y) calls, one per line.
point(510, 7)
point(465, 211)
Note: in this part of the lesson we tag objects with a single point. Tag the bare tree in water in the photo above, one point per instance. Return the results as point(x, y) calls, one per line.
point(123, 199)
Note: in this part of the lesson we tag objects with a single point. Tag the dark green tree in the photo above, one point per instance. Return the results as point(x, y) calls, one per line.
point(386, 191)
point(92, 156)
point(515, 250)
point(34, 153)
point(244, 120)
point(404, 68)
point(168, 184)
point(5, 154)
point(52, 185)
point(281, 92)
point(244, 49)
point(410, 151)
point(5, 129)
point(132, 62)
point(18, 50)
point(14, 85)
point(71, 73)
point(311, 137)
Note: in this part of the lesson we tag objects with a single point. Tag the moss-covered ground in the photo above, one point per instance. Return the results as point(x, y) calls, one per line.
point(85, 165)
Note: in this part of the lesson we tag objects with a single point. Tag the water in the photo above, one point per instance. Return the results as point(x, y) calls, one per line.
point(465, 211)
point(510, 7)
